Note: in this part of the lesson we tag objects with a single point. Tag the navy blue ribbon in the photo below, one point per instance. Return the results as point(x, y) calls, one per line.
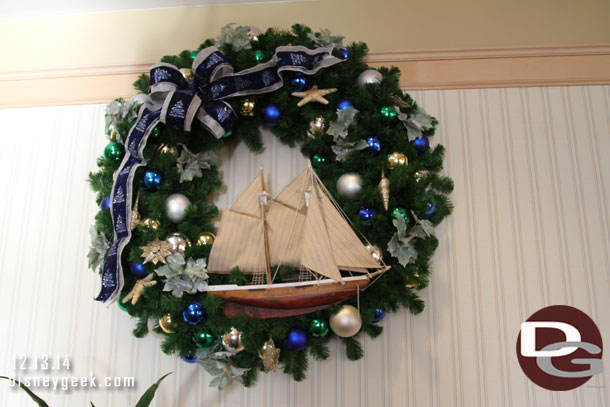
point(176, 102)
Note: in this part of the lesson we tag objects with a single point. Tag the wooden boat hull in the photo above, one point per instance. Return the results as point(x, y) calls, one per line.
point(289, 299)
point(275, 302)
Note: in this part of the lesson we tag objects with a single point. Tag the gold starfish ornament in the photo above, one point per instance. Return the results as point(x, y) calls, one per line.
point(270, 355)
point(138, 288)
point(313, 95)
point(156, 251)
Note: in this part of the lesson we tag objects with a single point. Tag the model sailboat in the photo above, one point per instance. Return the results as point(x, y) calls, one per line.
point(300, 227)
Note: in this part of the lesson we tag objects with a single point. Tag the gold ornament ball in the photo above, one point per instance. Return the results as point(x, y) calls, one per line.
point(151, 224)
point(205, 239)
point(347, 322)
point(165, 149)
point(232, 341)
point(375, 252)
point(247, 108)
point(187, 73)
point(167, 325)
point(413, 283)
point(397, 159)
point(317, 126)
point(179, 242)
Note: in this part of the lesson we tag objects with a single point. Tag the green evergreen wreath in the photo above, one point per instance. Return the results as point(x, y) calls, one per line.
point(362, 139)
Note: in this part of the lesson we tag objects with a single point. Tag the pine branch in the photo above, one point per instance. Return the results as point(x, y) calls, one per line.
point(353, 349)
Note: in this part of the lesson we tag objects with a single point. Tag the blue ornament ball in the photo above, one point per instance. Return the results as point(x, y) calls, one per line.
point(271, 114)
point(299, 82)
point(345, 104)
point(422, 144)
point(379, 315)
point(190, 357)
point(374, 144)
point(366, 214)
point(431, 207)
point(296, 339)
point(152, 180)
point(344, 52)
point(193, 314)
point(105, 204)
point(138, 270)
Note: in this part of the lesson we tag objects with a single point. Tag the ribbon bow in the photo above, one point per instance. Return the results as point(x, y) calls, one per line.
point(176, 102)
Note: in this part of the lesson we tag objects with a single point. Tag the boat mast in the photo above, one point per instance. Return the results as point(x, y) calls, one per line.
point(265, 230)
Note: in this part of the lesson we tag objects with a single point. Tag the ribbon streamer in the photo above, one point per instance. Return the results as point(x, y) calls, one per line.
point(176, 102)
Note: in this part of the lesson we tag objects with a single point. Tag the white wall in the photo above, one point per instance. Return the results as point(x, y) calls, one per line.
point(530, 229)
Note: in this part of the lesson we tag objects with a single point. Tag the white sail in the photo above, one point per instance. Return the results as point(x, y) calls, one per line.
point(249, 201)
point(239, 243)
point(240, 239)
point(314, 236)
point(285, 231)
point(293, 194)
point(285, 222)
point(317, 252)
point(348, 250)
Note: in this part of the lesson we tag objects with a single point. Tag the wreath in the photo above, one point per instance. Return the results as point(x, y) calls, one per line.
point(154, 242)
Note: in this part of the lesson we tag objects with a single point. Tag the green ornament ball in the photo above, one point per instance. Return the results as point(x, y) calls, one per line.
point(317, 160)
point(389, 112)
point(155, 132)
point(114, 152)
point(194, 54)
point(203, 339)
point(403, 213)
point(318, 328)
point(258, 55)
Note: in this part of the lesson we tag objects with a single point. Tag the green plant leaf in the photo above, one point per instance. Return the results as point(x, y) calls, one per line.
point(149, 394)
point(38, 400)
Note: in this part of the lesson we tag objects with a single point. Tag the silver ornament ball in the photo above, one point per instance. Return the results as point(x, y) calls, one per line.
point(349, 185)
point(375, 252)
point(347, 322)
point(369, 76)
point(175, 207)
point(179, 242)
point(420, 174)
point(253, 33)
point(232, 341)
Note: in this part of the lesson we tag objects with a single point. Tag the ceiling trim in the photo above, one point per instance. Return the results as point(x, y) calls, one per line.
point(433, 69)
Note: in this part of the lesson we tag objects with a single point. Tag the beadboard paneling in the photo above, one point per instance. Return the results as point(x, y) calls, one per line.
point(530, 229)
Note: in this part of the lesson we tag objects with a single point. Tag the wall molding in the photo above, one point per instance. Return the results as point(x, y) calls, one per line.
point(500, 67)
point(421, 70)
